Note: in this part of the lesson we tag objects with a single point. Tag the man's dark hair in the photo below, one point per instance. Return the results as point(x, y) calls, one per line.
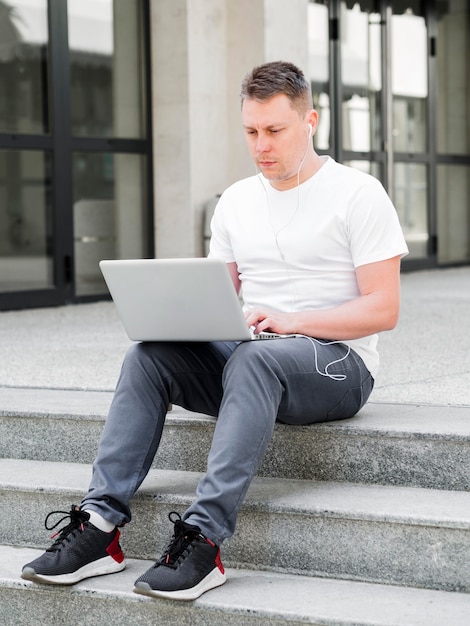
point(279, 77)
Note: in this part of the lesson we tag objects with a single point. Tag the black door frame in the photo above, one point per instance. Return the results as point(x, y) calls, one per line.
point(387, 156)
point(60, 145)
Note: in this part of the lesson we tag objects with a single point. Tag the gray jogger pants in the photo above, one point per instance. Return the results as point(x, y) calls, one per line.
point(248, 386)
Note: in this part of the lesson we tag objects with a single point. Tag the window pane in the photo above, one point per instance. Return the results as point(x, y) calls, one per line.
point(105, 39)
point(453, 213)
point(453, 85)
point(109, 200)
point(369, 167)
point(318, 45)
point(23, 66)
point(25, 221)
point(410, 193)
point(409, 81)
point(361, 78)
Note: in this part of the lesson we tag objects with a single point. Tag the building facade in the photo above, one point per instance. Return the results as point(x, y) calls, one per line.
point(120, 123)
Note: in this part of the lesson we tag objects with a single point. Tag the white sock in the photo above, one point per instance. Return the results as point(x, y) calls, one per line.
point(100, 522)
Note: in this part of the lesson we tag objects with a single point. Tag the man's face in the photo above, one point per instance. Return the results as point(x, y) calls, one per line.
point(277, 138)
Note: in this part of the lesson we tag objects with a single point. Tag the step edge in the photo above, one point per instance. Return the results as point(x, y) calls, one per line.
point(238, 596)
point(172, 480)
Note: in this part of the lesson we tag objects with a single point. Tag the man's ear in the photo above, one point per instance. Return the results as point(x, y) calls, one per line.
point(312, 120)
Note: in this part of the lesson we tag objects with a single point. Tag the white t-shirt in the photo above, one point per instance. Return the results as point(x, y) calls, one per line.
point(297, 250)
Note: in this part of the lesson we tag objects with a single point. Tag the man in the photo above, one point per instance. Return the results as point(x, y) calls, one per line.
point(316, 247)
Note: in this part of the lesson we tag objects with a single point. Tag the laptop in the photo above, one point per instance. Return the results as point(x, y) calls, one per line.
point(177, 300)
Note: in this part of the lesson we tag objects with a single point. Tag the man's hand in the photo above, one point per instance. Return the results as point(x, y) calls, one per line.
point(265, 320)
point(375, 310)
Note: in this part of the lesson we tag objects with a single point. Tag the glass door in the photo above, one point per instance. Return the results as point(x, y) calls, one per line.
point(408, 137)
point(109, 126)
point(360, 86)
point(26, 170)
point(75, 146)
point(319, 73)
point(382, 82)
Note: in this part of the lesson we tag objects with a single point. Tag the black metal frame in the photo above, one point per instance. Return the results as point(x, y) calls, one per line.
point(61, 145)
point(386, 156)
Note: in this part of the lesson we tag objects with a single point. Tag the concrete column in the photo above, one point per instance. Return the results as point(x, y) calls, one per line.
point(170, 113)
point(189, 117)
point(208, 138)
point(200, 54)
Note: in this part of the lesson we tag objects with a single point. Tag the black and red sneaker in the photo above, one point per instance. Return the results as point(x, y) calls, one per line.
point(79, 551)
point(190, 566)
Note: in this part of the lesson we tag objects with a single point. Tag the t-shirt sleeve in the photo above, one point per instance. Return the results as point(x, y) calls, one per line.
point(374, 230)
point(220, 246)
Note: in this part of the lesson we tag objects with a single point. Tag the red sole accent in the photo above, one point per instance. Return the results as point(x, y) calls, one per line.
point(219, 564)
point(114, 549)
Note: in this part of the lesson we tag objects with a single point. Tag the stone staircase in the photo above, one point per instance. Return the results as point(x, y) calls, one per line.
point(361, 522)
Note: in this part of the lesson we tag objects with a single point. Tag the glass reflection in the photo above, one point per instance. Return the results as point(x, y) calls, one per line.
point(409, 81)
point(108, 191)
point(318, 46)
point(105, 51)
point(361, 78)
point(369, 167)
point(410, 197)
point(25, 220)
point(23, 66)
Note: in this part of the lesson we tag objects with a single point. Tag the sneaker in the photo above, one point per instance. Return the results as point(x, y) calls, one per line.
point(190, 566)
point(80, 551)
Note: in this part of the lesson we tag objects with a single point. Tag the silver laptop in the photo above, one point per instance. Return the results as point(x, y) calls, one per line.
point(177, 300)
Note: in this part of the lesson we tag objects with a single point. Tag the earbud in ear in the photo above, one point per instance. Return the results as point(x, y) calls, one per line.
point(310, 130)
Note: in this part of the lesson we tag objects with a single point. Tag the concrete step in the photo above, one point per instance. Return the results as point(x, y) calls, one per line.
point(249, 598)
point(388, 534)
point(423, 446)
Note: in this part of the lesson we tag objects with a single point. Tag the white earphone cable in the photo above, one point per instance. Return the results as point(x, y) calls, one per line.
point(313, 340)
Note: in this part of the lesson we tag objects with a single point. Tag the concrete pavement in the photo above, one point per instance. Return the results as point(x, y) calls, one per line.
point(425, 360)
point(386, 500)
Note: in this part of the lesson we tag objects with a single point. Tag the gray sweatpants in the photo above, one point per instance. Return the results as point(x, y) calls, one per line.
point(248, 386)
